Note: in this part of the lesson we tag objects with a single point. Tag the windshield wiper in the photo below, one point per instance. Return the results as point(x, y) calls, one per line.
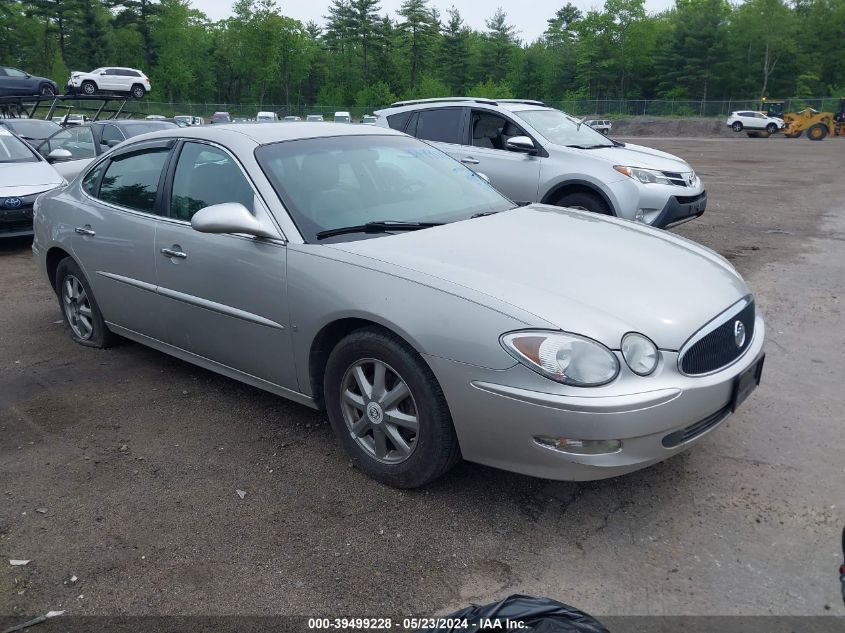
point(481, 214)
point(380, 226)
point(588, 146)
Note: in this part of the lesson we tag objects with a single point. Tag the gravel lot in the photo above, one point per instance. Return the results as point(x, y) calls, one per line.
point(136, 458)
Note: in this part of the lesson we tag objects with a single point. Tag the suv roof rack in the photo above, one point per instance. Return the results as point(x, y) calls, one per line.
point(397, 104)
point(525, 101)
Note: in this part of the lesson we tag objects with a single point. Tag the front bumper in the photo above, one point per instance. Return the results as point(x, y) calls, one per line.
point(498, 413)
point(16, 222)
point(681, 209)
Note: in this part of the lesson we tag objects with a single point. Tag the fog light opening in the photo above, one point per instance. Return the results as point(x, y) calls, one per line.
point(579, 447)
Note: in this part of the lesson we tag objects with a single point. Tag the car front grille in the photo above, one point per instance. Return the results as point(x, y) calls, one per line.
point(680, 179)
point(15, 219)
point(694, 430)
point(717, 347)
point(690, 199)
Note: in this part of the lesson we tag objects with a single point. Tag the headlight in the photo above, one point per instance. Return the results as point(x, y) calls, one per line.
point(639, 353)
point(645, 176)
point(566, 358)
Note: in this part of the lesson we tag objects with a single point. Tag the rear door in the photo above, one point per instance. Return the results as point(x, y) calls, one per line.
point(445, 128)
point(224, 295)
point(115, 235)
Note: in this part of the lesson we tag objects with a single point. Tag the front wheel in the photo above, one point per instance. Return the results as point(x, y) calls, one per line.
point(138, 91)
point(81, 314)
point(583, 201)
point(47, 91)
point(736, 126)
point(388, 410)
point(772, 128)
point(88, 88)
point(817, 132)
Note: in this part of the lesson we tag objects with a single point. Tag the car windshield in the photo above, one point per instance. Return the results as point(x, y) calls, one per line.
point(32, 128)
point(562, 129)
point(335, 182)
point(14, 150)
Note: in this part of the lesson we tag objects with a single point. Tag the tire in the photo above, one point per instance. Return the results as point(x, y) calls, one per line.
point(90, 331)
point(46, 90)
point(583, 200)
point(736, 126)
point(137, 91)
point(421, 455)
point(817, 132)
point(88, 88)
point(772, 128)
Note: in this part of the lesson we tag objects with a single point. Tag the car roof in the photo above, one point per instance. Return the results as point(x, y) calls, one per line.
point(263, 134)
point(511, 105)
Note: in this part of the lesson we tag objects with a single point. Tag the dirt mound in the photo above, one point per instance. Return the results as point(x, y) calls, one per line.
point(670, 127)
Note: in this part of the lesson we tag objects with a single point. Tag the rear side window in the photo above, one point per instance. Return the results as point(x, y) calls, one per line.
point(132, 180)
point(399, 121)
point(442, 124)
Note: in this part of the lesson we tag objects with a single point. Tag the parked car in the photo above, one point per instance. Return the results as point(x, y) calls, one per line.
point(109, 79)
point(75, 119)
point(15, 82)
point(82, 143)
point(24, 175)
point(266, 117)
point(155, 117)
point(220, 117)
point(533, 153)
point(368, 119)
point(31, 130)
point(381, 299)
point(292, 119)
point(342, 117)
point(198, 120)
point(314, 118)
point(185, 118)
point(600, 125)
point(747, 119)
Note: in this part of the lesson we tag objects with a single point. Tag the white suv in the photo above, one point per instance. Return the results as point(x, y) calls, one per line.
point(110, 79)
point(751, 120)
point(600, 125)
point(532, 153)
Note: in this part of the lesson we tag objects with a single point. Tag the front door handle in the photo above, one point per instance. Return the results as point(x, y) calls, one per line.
point(469, 160)
point(169, 252)
point(85, 230)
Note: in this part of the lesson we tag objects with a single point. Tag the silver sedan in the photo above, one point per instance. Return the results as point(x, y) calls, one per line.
point(363, 272)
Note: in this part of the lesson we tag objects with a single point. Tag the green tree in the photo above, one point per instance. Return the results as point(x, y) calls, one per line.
point(418, 31)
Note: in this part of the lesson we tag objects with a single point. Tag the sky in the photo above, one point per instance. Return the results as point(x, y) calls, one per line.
point(529, 16)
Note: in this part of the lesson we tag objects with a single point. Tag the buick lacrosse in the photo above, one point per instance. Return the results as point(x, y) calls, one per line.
point(362, 271)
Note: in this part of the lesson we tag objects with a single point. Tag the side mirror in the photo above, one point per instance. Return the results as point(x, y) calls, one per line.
point(103, 73)
point(521, 144)
point(112, 142)
point(228, 217)
point(59, 155)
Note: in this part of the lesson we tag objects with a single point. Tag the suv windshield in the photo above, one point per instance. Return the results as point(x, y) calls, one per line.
point(336, 182)
point(14, 150)
point(562, 129)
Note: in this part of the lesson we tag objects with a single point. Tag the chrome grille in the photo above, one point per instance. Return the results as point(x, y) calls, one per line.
point(717, 345)
point(680, 179)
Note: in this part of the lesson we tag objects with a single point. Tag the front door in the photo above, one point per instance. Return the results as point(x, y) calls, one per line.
point(115, 237)
point(224, 295)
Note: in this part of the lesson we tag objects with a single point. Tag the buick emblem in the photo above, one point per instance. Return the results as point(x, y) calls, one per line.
point(12, 203)
point(375, 413)
point(739, 333)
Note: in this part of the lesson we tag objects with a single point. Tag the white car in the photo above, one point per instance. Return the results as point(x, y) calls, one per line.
point(187, 119)
point(292, 119)
point(600, 125)
point(342, 117)
point(155, 117)
point(266, 117)
point(111, 79)
point(751, 120)
point(314, 118)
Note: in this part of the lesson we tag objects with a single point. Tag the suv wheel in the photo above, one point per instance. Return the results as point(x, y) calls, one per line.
point(138, 91)
point(388, 410)
point(772, 128)
point(88, 88)
point(584, 201)
point(736, 126)
point(81, 314)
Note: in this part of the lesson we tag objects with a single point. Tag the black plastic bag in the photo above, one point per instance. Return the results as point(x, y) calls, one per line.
point(537, 615)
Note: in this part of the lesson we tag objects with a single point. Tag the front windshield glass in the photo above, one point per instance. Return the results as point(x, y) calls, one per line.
point(335, 182)
point(33, 128)
point(14, 150)
point(562, 129)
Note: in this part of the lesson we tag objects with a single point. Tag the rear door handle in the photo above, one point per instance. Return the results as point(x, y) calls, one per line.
point(84, 230)
point(169, 252)
point(469, 160)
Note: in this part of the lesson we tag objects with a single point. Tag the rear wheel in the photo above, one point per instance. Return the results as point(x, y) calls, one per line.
point(81, 314)
point(138, 91)
point(388, 410)
point(583, 201)
point(817, 132)
point(736, 126)
point(88, 88)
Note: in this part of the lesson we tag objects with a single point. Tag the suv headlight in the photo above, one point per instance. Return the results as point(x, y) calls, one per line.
point(566, 358)
point(645, 176)
point(640, 353)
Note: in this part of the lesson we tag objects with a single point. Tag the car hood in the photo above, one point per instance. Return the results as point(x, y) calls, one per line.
point(631, 155)
point(582, 273)
point(23, 179)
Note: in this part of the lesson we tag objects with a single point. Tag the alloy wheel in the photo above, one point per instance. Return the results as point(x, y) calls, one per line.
point(77, 308)
point(379, 411)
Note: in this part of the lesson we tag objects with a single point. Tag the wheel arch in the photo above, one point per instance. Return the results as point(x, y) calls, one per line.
point(577, 186)
point(54, 255)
